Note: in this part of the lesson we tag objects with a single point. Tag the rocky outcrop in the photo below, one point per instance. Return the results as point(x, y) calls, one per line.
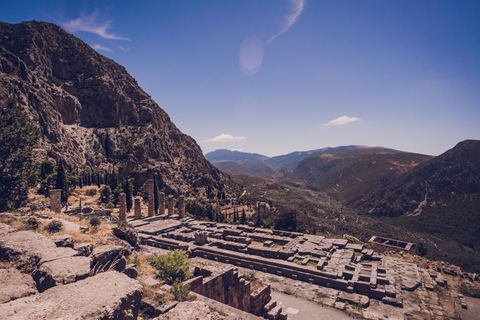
point(15, 285)
point(107, 296)
point(70, 286)
point(62, 271)
point(91, 112)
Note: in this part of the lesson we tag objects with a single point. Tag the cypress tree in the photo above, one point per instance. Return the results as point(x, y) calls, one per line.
point(61, 182)
point(128, 194)
point(243, 218)
point(155, 195)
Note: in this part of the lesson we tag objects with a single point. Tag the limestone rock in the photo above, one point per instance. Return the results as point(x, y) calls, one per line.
point(28, 249)
point(106, 296)
point(109, 257)
point(131, 271)
point(5, 229)
point(83, 249)
point(62, 271)
point(127, 234)
point(63, 241)
point(15, 285)
point(81, 100)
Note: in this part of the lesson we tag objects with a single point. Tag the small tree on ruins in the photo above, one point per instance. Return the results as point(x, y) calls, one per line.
point(172, 267)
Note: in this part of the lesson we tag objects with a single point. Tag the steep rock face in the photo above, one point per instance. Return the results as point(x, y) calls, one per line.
point(91, 111)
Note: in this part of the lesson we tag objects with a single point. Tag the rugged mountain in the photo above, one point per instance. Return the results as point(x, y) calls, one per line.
point(349, 174)
point(91, 112)
point(229, 155)
point(256, 165)
point(440, 196)
point(292, 159)
point(250, 164)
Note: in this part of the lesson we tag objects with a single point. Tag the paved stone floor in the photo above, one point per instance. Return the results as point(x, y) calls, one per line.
point(301, 309)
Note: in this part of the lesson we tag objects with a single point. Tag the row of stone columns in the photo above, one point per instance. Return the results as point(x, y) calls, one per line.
point(161, 207)
point(55, 203)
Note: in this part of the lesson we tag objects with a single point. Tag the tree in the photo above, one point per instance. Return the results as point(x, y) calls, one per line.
point(18, 172)
point(243, 217)
point(155, 195)
point(172, 267)
point(128, 194)
point(105, 194)
point(286, 220)
point(62, 183)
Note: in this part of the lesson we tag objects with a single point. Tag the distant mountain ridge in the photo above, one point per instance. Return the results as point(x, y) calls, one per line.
point(257, 165)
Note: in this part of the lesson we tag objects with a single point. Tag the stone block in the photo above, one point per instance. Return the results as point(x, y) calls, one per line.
point(15, 285)
point(118, 298)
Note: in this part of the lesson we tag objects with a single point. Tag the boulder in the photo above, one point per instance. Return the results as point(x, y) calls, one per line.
point(15, 285)
point(62, 271)
point(131, 271)
point(107, 296)
point(64, 240)
point(127, 234)
point(83, 249)
point(28, 249)
point(109, 257)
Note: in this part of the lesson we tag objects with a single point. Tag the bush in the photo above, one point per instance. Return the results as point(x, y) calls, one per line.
point(180, 291)
point(91, 192)
point(250, 275)
point(95, 221)
point(287, 291)
point(172, 267)
point(110, 205)
point(105, 194)
point(53, 226)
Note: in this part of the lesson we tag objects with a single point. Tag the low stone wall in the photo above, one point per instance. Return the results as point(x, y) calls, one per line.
point(228, 288)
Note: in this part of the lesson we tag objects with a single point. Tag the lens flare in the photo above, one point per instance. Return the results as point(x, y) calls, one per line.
point(251, 55)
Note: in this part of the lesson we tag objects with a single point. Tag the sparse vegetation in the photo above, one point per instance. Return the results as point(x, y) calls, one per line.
point(287, 291)
point(250, 275)
point(95, 221)
point(469, 290)
point(180, 291)
point(53, 226)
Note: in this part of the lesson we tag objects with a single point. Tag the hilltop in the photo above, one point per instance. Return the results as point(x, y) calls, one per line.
point(92, 113)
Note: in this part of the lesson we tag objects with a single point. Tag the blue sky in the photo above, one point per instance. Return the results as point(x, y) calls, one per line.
point(276, 76)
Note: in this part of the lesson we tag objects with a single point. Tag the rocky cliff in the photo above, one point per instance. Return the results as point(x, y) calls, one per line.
point(91, 112)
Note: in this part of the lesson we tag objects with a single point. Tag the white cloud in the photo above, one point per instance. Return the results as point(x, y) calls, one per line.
point(100, 47)
point(341, 120)
point(239, 150)
point(88, 23)
point(224, 138)
point(291, 18)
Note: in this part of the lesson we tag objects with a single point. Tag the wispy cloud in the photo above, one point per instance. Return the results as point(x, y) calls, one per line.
point(224, 138)
point(100, 47)
point(341, 120)
point(88, 23)
point(239, 150)
point(291, 18)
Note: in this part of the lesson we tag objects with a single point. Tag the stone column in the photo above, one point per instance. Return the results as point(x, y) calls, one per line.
point(151, 204)
point(161, 203)
point(56, 200)
point(181, 206)
point(170, 205)
point(138, 209)
point(122, 214)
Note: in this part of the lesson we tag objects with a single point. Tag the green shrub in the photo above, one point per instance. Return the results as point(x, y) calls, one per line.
point(180, 291)
point(95, 221)
point(134, 260)
point(110, 205)
point(250, 275)
point(91, 192)
point(54, 226)
point(172, 267)
point(287, 291)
